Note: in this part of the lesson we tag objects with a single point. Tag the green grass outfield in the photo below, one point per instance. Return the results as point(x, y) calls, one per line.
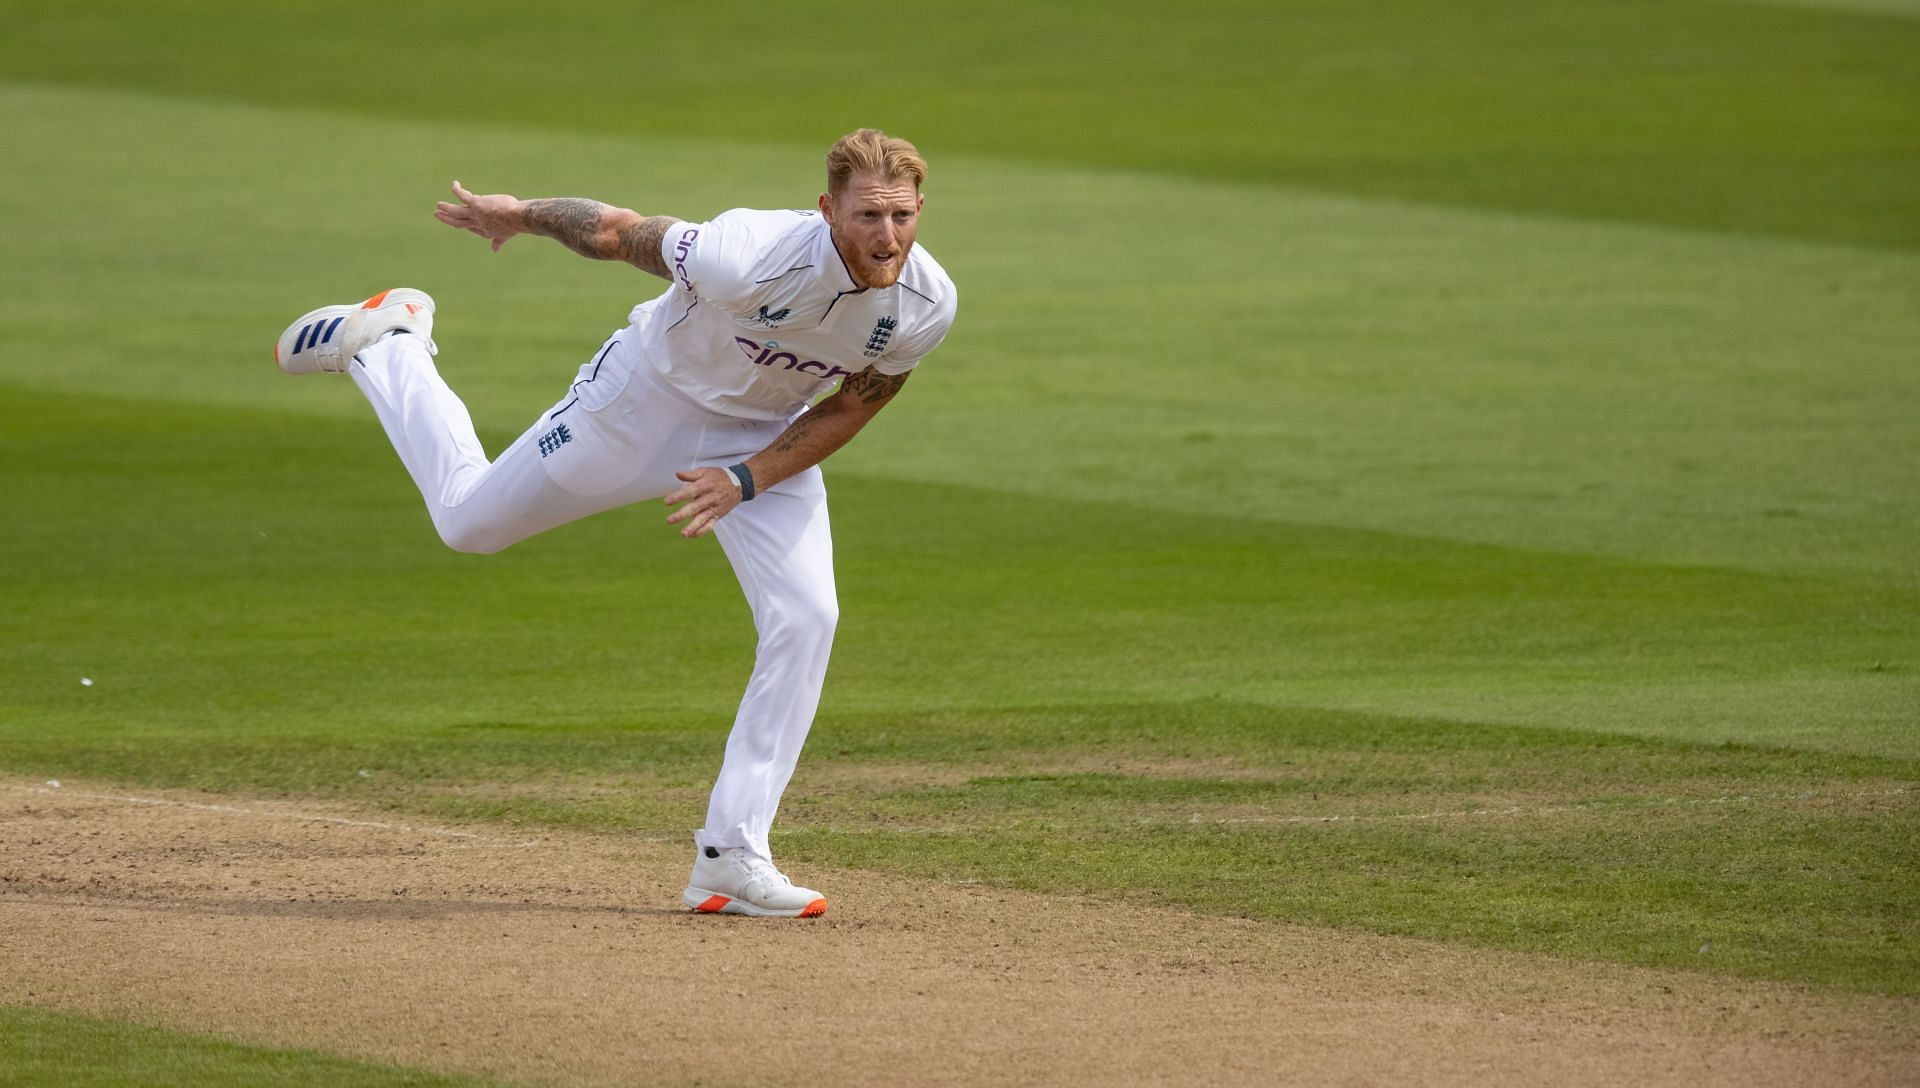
point(38, 1047)
point(1447, 474)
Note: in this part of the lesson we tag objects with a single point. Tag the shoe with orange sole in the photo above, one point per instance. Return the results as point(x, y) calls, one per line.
point(737, 881)
point(327, 339)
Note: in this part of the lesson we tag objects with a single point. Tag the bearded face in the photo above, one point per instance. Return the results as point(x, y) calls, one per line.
point(874, 222)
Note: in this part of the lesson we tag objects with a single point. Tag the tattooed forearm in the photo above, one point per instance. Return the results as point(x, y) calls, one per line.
point(640, 244)
point(571, 221)
point(825, 427)
point(600, 231)
point(797, 434)
point(872, 387)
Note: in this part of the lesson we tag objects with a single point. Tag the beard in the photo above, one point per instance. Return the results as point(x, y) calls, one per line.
point(877, 276)
point(868, 274)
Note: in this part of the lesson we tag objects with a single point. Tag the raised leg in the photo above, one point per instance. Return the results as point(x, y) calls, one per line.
point(571, 463)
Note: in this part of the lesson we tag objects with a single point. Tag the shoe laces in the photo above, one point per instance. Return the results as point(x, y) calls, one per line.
point(762, 870)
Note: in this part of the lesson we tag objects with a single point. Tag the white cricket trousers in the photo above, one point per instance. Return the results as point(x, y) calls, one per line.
point(616, 438)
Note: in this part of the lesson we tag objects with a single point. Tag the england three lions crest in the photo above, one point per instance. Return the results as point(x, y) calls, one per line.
point(882, 332)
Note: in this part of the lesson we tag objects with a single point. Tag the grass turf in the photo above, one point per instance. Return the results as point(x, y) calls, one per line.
point(39, 1047)
point(1452, 564)
point(1748, 117)
point(1081, 714)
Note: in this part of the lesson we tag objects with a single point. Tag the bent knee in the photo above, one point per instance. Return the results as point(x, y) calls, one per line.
point(471, 539)
point(805, 621)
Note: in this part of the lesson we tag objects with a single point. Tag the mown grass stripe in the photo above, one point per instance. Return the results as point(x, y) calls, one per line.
point(41, 1048)
point(1769, 119)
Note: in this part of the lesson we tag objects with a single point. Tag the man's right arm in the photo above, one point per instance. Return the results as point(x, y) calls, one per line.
point(588, 227)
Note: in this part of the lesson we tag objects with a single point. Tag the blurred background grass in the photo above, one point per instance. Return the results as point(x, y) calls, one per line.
point(1765, 118)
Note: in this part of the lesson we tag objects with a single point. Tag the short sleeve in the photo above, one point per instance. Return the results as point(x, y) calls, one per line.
point(923, 336)
point(714, 260)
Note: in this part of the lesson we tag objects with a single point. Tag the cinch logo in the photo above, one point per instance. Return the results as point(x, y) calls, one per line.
point(882, 332)
point(554, 439)
point(787, 360)
point(774, 318)
point(682, 249)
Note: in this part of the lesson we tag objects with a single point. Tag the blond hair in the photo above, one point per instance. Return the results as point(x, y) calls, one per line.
point(870, 151)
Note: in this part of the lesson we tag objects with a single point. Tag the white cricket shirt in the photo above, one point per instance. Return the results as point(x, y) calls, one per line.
point(763, 316)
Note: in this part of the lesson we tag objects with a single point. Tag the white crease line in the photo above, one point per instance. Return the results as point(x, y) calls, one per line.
point(1512, 810)
point(1542, 810)
point(231, 810)
point(1196, 818)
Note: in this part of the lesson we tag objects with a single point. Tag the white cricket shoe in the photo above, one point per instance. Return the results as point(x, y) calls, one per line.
point(328, 338)
point(737, 881)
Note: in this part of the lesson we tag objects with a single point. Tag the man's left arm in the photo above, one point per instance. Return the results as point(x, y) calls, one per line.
point(709, 493)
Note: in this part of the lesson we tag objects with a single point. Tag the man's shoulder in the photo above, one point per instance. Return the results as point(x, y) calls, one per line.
point(725, 256)
point(925, 280)
point(761, 228)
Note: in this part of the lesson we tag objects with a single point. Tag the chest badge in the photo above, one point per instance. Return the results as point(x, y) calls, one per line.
point(774, 318)
point(882, 332)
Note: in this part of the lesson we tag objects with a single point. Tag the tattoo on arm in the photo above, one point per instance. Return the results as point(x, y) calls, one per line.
point(872, 387)
point(640, 245)
point(587, 228)
point(795, 434)
point(816, 434)
point(571, 221)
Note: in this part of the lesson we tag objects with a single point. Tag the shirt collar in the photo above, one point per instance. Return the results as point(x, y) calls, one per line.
point(833, 267)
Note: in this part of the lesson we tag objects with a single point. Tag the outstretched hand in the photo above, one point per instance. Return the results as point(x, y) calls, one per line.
point(708, 493)
point(495, 217)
